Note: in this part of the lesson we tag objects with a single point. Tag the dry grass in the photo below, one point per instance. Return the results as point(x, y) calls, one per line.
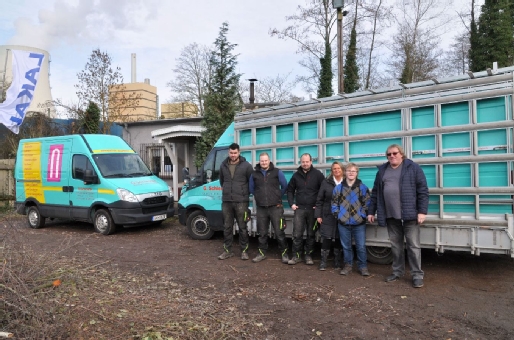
point(54, 297)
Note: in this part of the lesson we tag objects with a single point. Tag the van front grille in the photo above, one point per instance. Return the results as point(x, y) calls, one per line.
point(154, 200)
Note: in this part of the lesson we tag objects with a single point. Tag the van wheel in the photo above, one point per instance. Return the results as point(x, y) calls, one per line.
point(198, 226)
point(34, 217)
point(103, 222)
point(379, 255)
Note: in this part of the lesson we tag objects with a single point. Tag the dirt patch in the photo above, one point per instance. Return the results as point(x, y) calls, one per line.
point(153, 283)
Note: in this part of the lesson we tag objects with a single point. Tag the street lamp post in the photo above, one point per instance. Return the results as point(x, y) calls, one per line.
point(339, 4)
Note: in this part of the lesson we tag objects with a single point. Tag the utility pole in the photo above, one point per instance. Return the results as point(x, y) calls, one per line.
point(339, 4)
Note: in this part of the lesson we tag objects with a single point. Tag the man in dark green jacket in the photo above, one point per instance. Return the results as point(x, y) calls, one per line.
point(235, 173)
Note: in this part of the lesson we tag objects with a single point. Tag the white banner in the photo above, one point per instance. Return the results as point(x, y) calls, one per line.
point(25, 71)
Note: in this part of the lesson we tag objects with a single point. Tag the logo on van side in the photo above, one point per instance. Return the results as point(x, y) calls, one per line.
point(55, 163)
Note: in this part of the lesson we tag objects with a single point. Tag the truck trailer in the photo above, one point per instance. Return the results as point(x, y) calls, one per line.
point(458, 129)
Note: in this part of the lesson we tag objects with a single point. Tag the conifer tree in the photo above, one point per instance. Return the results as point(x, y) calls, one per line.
point(325, 77)
point(92, 118)
point(495, 36)
point(474, 56)
point(351, 69)
point(222, 99)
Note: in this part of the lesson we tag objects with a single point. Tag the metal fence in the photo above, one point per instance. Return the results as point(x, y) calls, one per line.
point(157, 159)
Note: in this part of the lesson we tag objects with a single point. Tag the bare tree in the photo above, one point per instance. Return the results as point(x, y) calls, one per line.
point(103, 85)
point(456, 60)
point(34, 125)
point(192, 73)
point(312, 27)
point(376, 17)
point(276, 89)
point(415, 51)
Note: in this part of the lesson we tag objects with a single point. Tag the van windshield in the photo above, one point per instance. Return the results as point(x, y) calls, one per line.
point(117, 165)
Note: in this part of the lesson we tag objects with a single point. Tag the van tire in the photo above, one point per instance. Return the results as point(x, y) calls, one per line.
point(380, 255)
point(198, 226)
point(103, 222)
point(34, 217)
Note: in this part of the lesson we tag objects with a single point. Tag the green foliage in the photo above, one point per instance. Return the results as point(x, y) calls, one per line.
point(474, 57)
point(325, 77)
point(495, 36)
point(92, 118)
point(351, 69)
point(222, 99)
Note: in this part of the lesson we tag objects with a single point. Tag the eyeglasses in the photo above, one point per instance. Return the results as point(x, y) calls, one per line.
point(389, 154)
point(351, 171)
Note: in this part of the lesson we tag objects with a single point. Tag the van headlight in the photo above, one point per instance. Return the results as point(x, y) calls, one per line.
point(126, 195)
point(170, 191)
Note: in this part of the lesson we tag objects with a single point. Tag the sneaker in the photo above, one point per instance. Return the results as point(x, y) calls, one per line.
point(294, 260)
point(417, 283)
point(285, 259)
point(258, 258)
point(308, 260)
point(392, 278)
point(347, 269)
point(244, 256)
point(225, 255)
point(364, 271)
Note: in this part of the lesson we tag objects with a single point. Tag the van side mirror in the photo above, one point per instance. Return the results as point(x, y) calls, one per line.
point(90, 177)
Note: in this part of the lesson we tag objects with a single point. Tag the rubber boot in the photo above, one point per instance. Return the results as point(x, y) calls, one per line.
point(324, 256)
point(337, 258)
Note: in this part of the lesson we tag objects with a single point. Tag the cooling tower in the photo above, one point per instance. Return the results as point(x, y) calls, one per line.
point(42, 101)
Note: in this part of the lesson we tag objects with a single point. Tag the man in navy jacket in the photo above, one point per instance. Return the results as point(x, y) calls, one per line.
point(400, 200)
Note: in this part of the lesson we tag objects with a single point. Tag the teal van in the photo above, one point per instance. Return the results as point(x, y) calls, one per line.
point(98, 179)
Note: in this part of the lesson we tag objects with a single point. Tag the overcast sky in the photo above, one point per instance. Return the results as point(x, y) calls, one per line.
point(156, 30)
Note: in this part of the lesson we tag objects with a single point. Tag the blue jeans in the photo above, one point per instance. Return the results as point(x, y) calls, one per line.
point(409, 230)
point(358, 232)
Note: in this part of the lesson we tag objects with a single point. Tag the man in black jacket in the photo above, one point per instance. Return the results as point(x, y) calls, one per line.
point(267, 185)
point(302, 193)
point(235, 173)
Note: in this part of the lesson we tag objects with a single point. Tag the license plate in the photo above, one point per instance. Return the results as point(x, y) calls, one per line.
point(159, 217)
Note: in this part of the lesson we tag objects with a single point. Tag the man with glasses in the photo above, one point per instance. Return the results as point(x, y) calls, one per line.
point(400, 200)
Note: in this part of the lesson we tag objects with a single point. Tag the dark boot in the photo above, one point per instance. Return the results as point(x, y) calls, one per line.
point(337, 258)
point(324, 256)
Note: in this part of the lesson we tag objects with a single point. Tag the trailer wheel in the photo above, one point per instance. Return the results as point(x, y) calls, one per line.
point(34, 217)
point(198, 226)
point(103, 222)
point(379, 255)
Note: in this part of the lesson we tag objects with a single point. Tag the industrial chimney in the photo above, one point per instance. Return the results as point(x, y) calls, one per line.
point(133, 68)
point(252, 90)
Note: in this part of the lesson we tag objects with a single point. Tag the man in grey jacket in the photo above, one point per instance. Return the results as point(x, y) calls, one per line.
point(235, 173)
point(400, 199)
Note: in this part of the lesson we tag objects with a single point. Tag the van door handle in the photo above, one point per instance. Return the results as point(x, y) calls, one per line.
point(67, 189)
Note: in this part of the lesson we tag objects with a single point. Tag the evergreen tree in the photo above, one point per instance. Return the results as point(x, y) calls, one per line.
point(474, 51)
point(222, 99)
point(351, 69)
point(495, 36)
point(325, 77)
point(91, 121)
